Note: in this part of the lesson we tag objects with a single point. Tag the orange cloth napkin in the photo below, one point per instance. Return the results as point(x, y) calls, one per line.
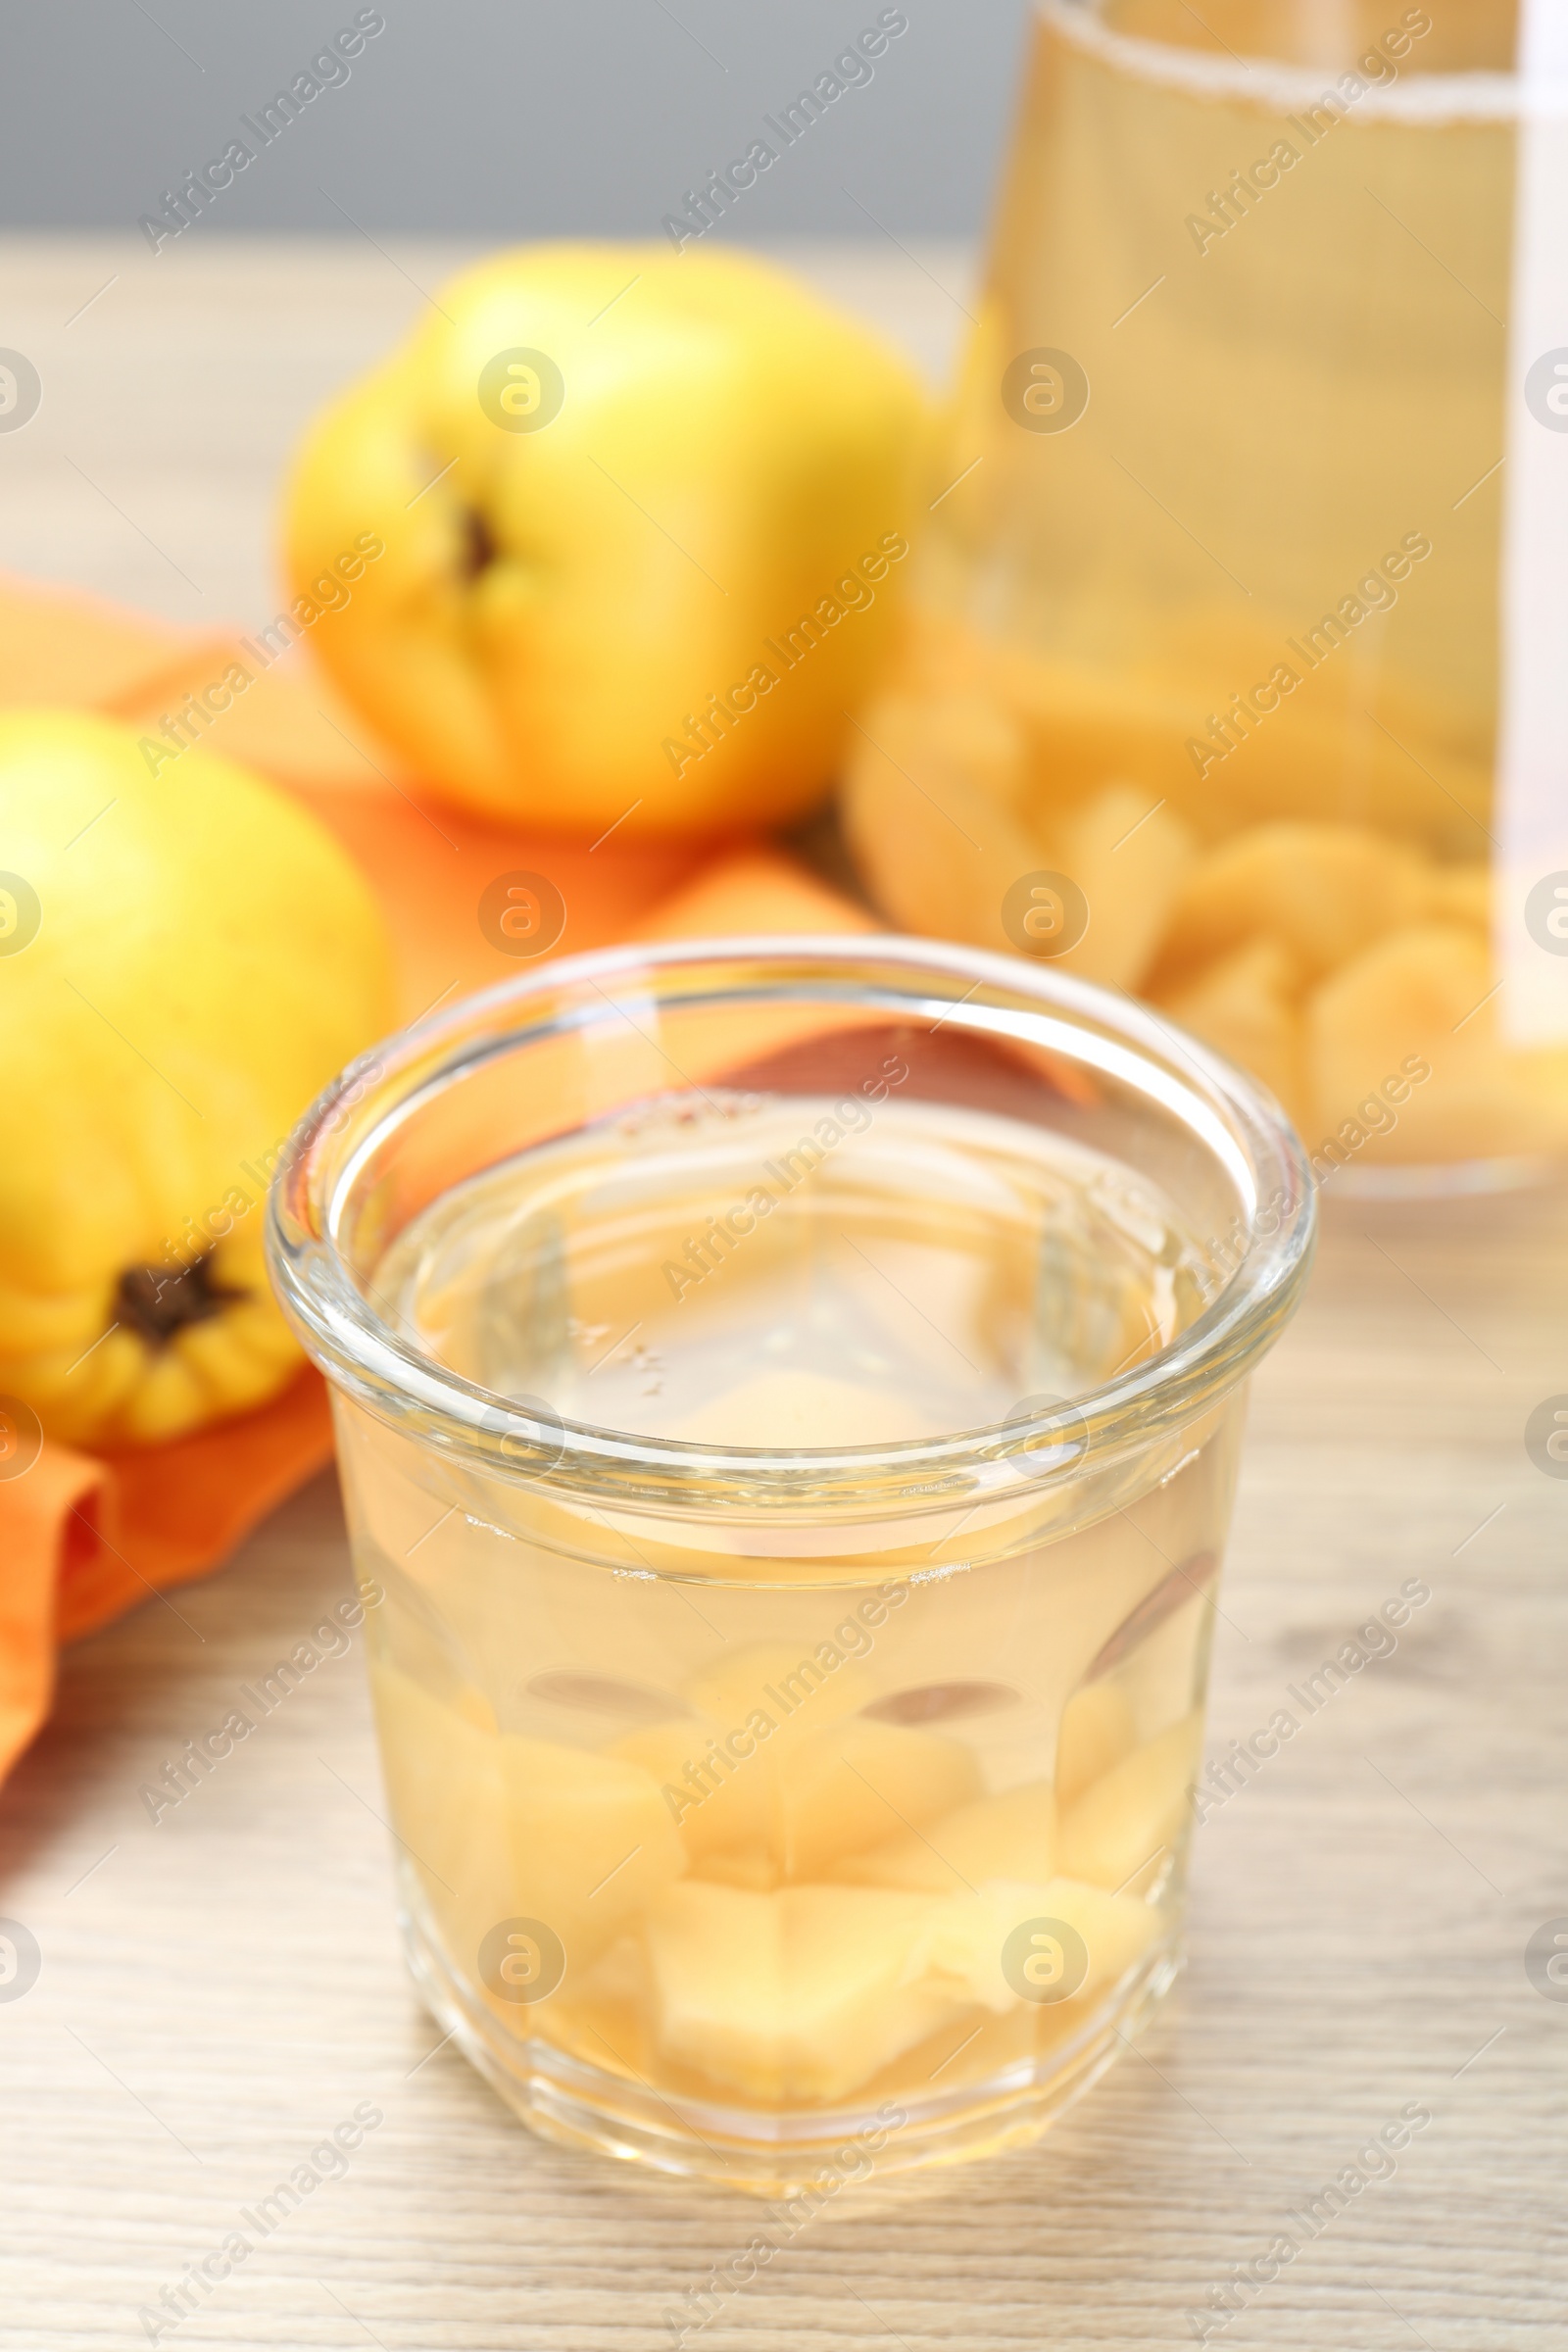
point(85, 1536)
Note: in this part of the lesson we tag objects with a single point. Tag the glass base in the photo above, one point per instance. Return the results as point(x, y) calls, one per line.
point(776, 2154)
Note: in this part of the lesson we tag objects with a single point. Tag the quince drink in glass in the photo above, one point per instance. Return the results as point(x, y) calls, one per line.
point(788, 1396)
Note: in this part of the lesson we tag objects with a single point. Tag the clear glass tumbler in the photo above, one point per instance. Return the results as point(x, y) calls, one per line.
point(1238, 624)
point(788, 1396)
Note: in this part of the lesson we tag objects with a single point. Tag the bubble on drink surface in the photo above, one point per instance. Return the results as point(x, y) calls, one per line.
point(20, 1960)
point(1044, 1960)
point(522, 1961)
point(1044, 914)
point(1044, 390)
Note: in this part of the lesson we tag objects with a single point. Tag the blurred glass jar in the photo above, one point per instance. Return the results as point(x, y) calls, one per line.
point(1238, 671)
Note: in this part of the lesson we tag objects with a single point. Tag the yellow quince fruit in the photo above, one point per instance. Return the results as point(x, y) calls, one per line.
point(643, 517)
point(183, 965)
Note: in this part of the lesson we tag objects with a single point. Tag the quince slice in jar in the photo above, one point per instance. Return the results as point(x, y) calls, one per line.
point(592, 1840)
point(1324, 891)
point(1010, 1836)
point(844, 1789)
point(978, 1945)
point(781, 1690)
point(1461, 893)
point(929, 813)
point(1127, 853)
point(442, 1767)
point(794, 1814)
point(1247, 1006)
point(808, 1993)
point(804, 1994)
point(1126, 1823)
point(718, 1809)
point(1111, 1798)
point(1098, 1728)
point(777, 1779)
point(1420, 1008)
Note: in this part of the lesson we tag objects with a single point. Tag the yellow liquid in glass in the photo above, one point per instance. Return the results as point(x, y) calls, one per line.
point(745, 1833)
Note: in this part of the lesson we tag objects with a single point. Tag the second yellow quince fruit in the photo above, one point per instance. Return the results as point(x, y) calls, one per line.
point(645, 517)
point(185, 962)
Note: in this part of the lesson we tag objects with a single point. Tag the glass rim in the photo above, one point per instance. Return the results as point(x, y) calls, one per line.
point(1412, 94)
point(967, 988)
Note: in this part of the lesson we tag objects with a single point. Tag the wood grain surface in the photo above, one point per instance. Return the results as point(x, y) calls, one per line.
point(218, 1990)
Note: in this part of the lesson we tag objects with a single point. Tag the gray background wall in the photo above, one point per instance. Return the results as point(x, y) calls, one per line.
point(480, 118)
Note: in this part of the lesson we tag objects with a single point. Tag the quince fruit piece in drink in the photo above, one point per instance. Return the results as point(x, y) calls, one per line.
point(1247, 1006)
point(782, 1690)
point(1098, 1728)
point(803, 1797)
point(750, 1866)
point(928, 812)
point(799, 1994)
point(1461, 893)
point(1087, 722)
point(591, 1838)
point(941, 818)
point(634, 503)
point(964, 1948)
point(1011, 1836)
point(185, 962)
point(501, 1827)
point(1131, 1817)
point(719, 1810)
point(808, 1993)
point(837, 1780)
point(1422, 1004)
point(1128, 857)
point(791, 1407)
point(447, 1798)
point(1398, 1006)
point(847, 1787)
point(1324, 891)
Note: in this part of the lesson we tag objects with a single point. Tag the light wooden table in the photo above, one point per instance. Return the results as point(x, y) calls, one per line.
point(220, 1990)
